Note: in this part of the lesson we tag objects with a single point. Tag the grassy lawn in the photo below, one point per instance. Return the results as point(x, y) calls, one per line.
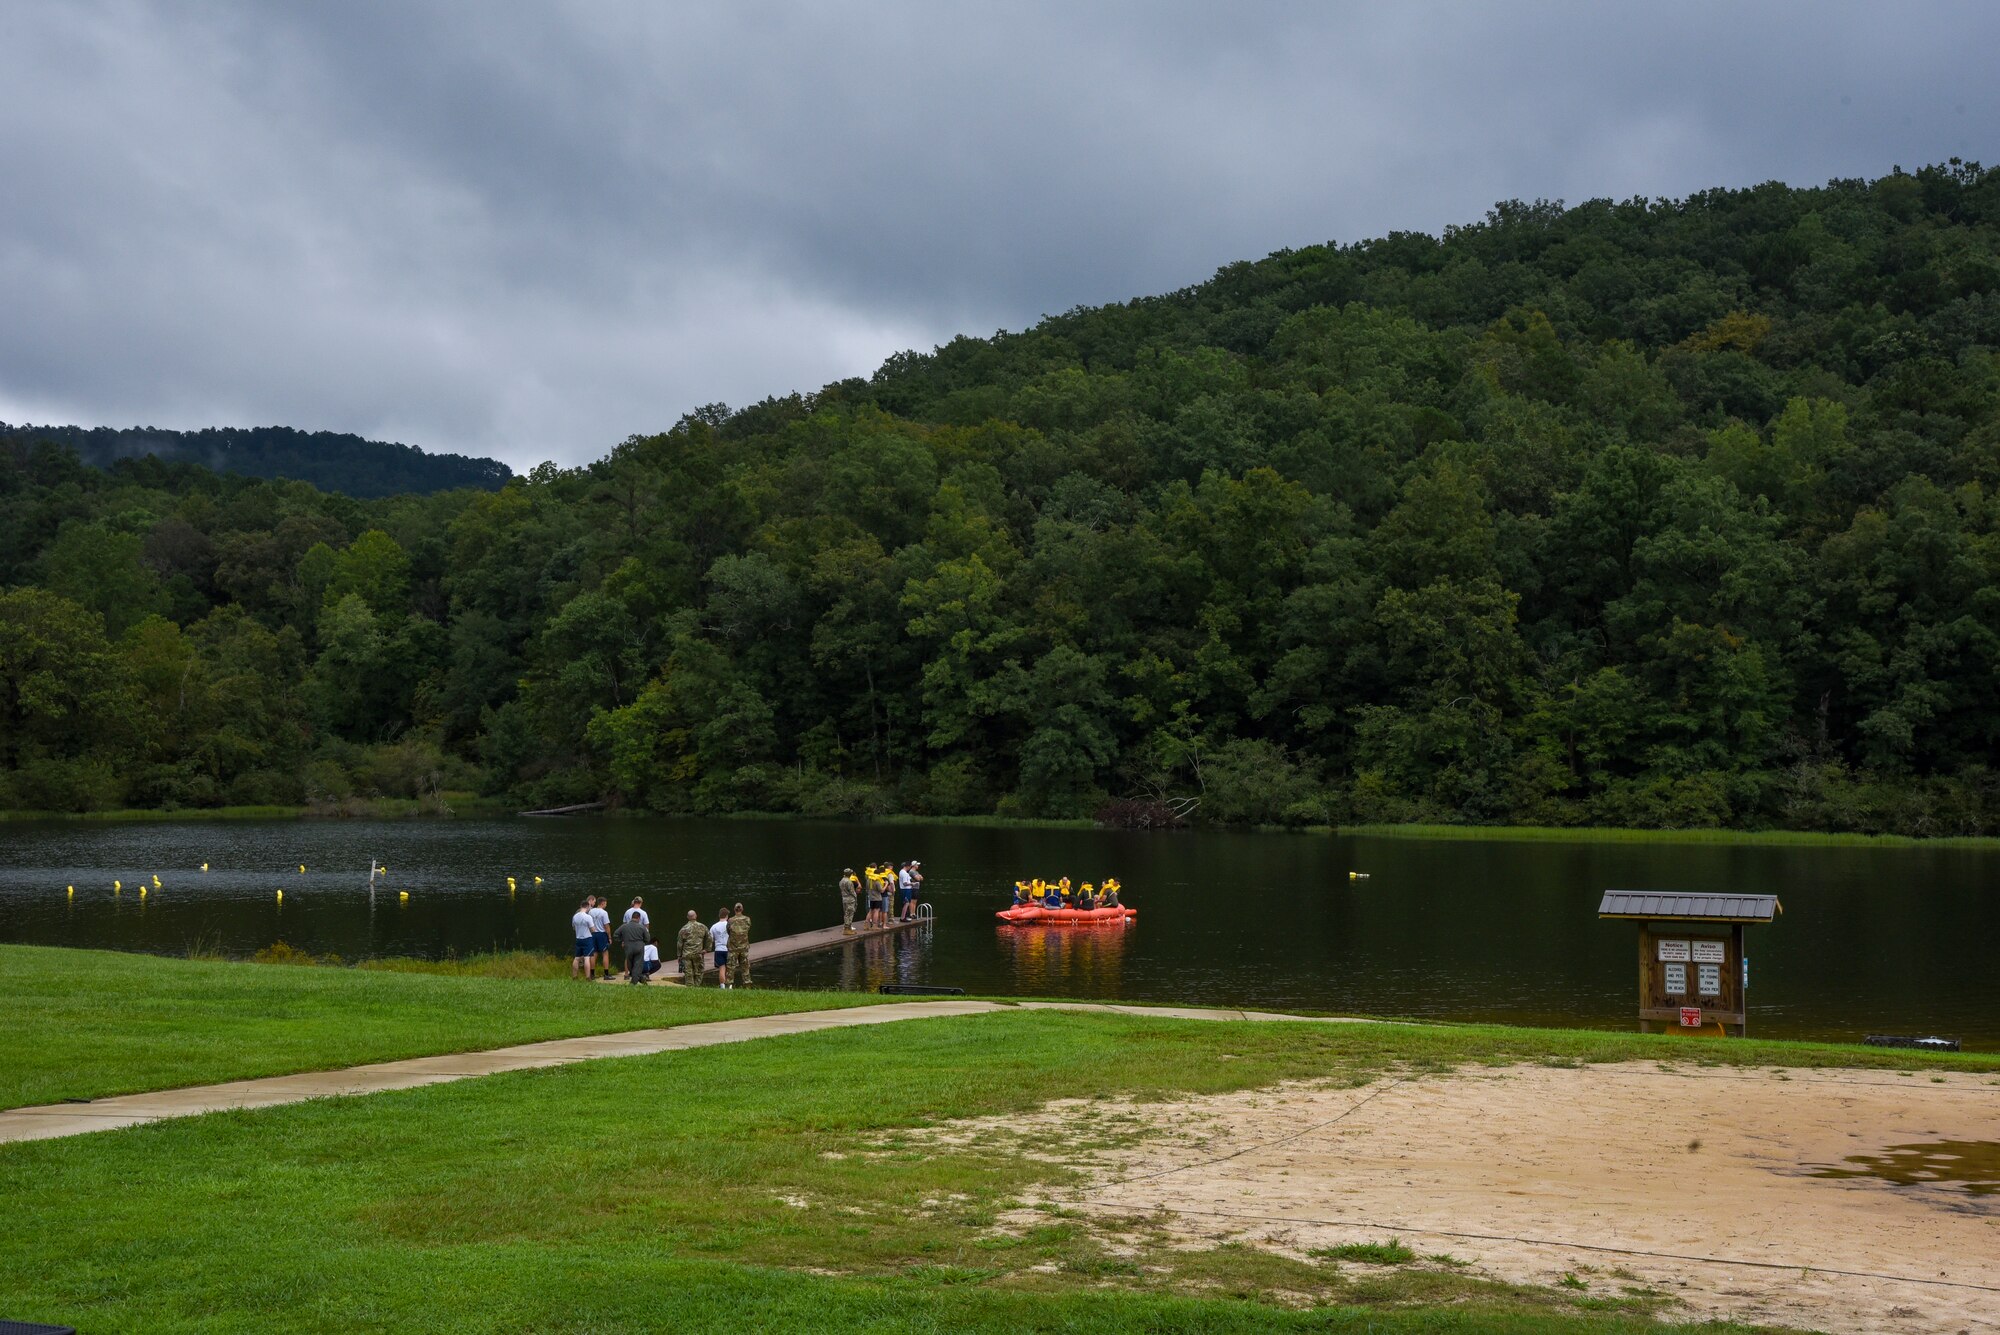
point(84, 1023)
point(762, 1186)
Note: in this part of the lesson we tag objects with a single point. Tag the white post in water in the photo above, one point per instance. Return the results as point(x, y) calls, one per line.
point(374, 870)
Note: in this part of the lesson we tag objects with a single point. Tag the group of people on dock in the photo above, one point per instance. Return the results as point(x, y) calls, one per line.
point(1058, 895)
point(890, 890)
point(728, 938)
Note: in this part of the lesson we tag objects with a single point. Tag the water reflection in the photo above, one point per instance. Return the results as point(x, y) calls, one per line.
point(1076, 959)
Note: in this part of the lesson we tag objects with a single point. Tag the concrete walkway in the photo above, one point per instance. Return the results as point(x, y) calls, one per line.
point(54, 1120)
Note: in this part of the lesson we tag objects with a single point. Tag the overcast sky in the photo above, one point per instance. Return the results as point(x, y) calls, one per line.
point(530, 230)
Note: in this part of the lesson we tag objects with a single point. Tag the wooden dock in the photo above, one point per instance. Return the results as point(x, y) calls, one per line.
point(777, 947)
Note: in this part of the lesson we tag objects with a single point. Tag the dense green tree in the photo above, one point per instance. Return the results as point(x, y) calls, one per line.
point(1660, 512)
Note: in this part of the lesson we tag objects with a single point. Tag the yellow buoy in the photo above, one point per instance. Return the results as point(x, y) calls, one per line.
point(142, 892)
point(72, 892)
point(116, 886)
point(281, 896)
point(302, 869)
point(402, 896)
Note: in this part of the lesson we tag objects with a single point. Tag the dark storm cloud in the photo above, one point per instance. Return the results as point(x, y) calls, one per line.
point(530, 230)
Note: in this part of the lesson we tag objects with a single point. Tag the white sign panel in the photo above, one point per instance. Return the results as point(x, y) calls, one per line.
point(1673, 950)
point(1708, 952)
point(1677, 980)
point(1708, 979)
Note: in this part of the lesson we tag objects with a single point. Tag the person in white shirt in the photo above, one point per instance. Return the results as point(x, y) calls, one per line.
point(586, 941)
point(600, 925)
point(718, 936)
point(638, 910)
point(652, 964)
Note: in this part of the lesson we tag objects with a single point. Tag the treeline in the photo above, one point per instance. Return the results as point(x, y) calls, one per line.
point(330, 460)
point(1658, 513)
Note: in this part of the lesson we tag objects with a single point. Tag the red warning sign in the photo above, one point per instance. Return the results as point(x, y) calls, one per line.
point(1690, 1017)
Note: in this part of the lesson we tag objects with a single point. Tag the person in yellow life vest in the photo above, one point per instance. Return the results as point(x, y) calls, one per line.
point(1086, 898)
point(878, 899)
point(1111, 893)
point(1020, 893)
point(1063, 887)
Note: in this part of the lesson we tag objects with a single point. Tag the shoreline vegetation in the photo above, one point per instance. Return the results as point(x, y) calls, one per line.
point(1627, 835)
point(461, 807)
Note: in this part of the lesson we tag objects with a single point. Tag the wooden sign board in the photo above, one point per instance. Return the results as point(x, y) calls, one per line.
point(1690, 968)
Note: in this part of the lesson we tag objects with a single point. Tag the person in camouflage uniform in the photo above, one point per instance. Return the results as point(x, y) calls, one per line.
point(692, 941)
point(849, 890)
point(739, 948)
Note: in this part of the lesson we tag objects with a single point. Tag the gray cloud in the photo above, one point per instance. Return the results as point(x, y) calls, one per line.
point(530, 230)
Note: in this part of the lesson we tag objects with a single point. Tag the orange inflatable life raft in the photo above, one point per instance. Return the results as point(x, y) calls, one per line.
point(1033, 913)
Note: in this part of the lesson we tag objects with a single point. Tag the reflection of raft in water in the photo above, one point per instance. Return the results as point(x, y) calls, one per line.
point(1035, 913)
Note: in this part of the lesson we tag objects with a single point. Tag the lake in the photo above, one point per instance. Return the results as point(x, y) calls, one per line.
point(1890, 940)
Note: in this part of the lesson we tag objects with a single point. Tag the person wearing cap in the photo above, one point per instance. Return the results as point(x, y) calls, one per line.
point(849, 889)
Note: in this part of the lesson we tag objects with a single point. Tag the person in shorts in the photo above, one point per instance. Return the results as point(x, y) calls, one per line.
point(586, 941)
point(718, 937)
point(600, 926)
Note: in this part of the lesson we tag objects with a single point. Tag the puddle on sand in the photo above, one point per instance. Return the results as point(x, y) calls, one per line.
point(1973, 1165)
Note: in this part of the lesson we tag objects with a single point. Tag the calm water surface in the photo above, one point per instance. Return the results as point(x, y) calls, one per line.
point(1872, 940)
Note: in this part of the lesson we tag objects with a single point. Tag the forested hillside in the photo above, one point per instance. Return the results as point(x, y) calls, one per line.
point(330, 460)
point(1647, 513)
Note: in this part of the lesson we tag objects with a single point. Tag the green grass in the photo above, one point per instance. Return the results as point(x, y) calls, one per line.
point(1615, 835)
point(178, 813)
point(104, 1022)
point(761, 1186)
point(462, 804)
point(1390, 1251)
point(84, 1024)
point(517, 964)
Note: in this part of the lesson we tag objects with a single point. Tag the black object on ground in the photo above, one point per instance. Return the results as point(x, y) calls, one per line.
point(918, 990)
point(1903, 1041)
point(33, 1328)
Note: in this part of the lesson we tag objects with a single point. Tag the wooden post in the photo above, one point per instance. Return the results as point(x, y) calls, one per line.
point(1646, 1026)
point(1742, 992)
